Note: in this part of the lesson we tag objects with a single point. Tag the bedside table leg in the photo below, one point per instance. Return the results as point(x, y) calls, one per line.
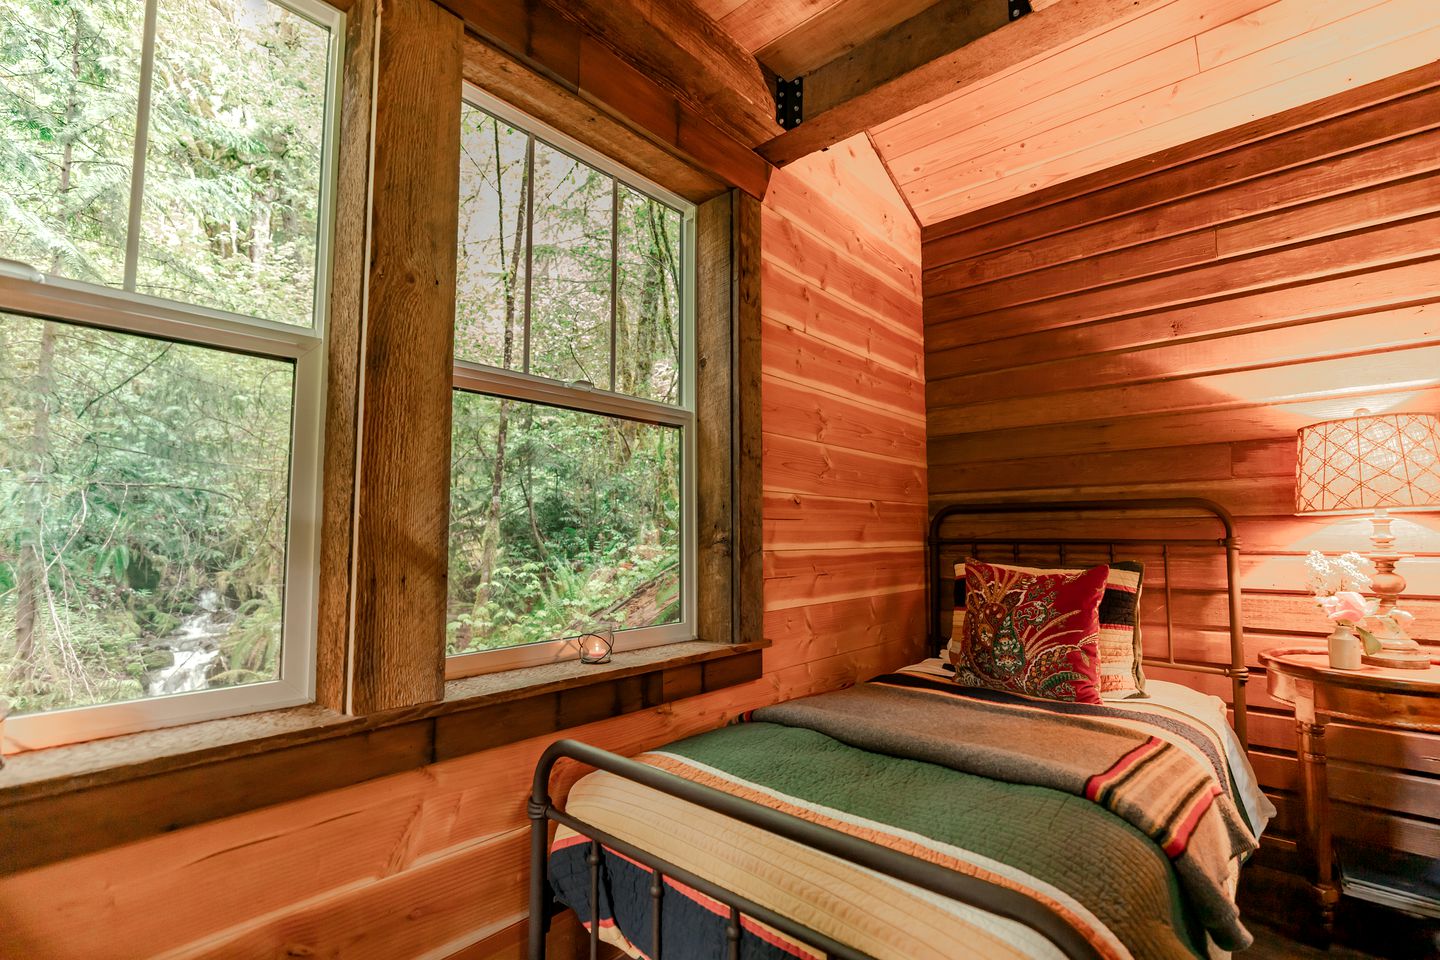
point(1319, 846)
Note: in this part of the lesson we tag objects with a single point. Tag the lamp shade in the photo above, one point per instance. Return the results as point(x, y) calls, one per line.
point(1369, 462)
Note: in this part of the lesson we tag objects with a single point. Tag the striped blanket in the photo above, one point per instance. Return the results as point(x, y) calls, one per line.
point(1124, 823)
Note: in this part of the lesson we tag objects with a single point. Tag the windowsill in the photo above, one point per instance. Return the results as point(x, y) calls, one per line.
point(241, 763)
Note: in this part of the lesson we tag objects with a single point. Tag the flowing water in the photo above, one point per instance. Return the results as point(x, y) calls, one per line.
point(194, 647)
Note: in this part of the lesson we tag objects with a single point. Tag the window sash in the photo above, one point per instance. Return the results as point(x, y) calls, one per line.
point(522, 386)
point(128, 311)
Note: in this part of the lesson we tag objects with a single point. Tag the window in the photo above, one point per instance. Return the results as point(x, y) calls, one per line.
point(572, 444)
point(165, 171)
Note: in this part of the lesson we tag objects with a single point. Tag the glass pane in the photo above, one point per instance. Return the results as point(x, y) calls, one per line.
point(647, 318)
point(558, 519)
point(69, 74)
point(570, 313)
point(232, 179)
point(490, 280)
point(143, 502)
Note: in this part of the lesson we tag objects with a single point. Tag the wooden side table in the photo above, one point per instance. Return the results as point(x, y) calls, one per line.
point(1382, 697)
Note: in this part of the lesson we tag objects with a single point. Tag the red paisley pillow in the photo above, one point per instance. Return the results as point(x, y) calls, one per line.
point(1036, 634)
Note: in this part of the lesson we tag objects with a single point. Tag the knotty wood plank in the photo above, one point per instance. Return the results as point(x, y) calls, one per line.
point(1396, 159)
point(804, 467)
point(793, 410)
point(803, 359)
point(795, 521)
point(1237, 423)
point(1030, 171)
point(401, 548)
point(1304, 302)
point(1158, 28)
point(1370, 332)
point(1067, 104)
point(1292, 131)
point(797, 302)
point(1315, 143)
point(1363, 249)
point(1307, 380)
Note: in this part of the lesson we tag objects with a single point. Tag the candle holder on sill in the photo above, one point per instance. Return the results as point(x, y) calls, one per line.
point(596, 646)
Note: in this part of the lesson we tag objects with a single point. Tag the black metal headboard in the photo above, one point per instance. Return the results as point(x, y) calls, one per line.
point(944, 533)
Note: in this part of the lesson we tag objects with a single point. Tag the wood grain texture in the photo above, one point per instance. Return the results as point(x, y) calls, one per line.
point(429, 861)
point(403, 468)
point(893, 82)
point(1164, 326)
point(652, 153)
point(1179, 71)
point(345, 329)
point(628, 78)
point(715, 419)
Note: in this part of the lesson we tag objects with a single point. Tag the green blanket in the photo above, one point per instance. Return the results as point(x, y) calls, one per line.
point(1056, 838)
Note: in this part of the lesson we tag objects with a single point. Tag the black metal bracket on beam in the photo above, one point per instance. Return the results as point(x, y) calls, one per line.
point(789, 101)
point(1018, 8)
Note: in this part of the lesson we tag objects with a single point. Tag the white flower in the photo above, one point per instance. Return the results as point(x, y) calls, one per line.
point(1353, 573)
point(1323, 579)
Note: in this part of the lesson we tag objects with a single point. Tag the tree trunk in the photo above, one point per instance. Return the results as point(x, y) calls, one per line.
point(30, 567)
point(491, 528)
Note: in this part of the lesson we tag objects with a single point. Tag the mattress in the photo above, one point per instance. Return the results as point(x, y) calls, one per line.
point(1116, 884)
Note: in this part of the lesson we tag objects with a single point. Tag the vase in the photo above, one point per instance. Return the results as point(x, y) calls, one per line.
point(1345, 648)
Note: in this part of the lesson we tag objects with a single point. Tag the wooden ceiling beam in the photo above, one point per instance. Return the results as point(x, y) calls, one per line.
point(675, 44)
point(948, 46)
point(626, 84)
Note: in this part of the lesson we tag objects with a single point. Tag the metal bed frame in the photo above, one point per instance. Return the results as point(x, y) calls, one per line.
point(973, 891)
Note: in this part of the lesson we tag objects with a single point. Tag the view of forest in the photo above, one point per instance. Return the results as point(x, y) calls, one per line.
point(144, 484)
point(561, 519)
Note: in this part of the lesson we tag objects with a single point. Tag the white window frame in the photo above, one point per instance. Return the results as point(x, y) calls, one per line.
point(525, 387)
point(25, 291)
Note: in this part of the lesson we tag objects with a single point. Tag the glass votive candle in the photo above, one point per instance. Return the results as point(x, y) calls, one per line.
point(596, 646)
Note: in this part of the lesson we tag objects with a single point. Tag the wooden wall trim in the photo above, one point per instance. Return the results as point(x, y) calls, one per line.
point(342, 376)
point(714, 420)
point(403, 466)
point(747, 443)
point(154, 794)
point(536, 36)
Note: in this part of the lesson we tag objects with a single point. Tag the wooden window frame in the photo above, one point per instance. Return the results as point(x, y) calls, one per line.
point(525, 387)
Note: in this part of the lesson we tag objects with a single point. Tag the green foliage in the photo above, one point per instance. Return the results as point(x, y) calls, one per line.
point(559, 519)
point(138, 478)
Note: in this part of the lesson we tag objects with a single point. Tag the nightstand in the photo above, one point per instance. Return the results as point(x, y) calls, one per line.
point(1381, 697)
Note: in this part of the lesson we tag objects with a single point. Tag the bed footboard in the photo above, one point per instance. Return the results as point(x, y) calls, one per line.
point(960, 887)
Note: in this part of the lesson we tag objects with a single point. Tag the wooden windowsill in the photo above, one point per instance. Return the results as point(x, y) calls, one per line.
point(125, 788)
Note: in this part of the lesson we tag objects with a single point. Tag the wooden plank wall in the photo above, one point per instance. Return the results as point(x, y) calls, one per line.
point(844, 414)
point(1163, 327)
point(432, 862)
point(1168, 73)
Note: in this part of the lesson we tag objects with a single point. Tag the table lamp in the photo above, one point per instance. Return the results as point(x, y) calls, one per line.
point(1375, 464)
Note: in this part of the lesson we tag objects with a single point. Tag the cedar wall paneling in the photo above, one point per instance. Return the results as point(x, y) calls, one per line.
point(1164, 327)
point(433, 862)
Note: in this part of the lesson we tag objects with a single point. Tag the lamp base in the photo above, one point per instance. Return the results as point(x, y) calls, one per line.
point(1398, 658)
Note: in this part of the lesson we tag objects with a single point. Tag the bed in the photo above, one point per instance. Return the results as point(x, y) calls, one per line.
point(913, 817)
